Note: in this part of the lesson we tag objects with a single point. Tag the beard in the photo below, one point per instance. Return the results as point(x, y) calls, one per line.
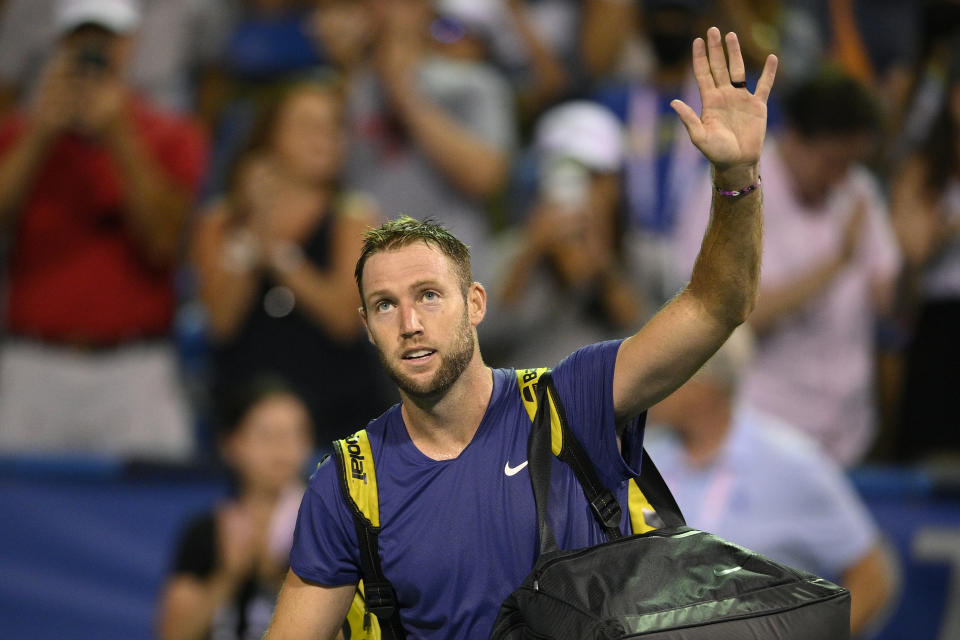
point(452, 365)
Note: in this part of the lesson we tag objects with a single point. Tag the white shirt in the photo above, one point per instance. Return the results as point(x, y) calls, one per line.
point(771, 489)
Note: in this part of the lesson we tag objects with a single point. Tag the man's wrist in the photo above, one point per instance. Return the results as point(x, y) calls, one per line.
point(736, 178)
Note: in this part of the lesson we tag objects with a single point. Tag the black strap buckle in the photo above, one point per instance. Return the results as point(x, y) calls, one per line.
point(607, 509)
point(380, 599)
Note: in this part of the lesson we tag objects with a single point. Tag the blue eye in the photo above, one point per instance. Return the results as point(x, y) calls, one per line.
point(430, 296)
point(382, 306)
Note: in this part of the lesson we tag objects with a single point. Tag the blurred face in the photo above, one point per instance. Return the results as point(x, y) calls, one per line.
point(671, 33)
point(418, 319)
point(272, 443)
point(820, 163)
point(94, 52)
point(309, 137)
point(346, 29)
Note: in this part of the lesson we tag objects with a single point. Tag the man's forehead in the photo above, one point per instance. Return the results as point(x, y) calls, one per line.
point(399, 267)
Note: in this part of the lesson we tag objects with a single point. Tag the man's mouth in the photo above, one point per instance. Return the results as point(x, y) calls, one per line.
point(418, 354)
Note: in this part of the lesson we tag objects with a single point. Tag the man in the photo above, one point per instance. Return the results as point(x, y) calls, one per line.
point(173, 61)
point(752, 479)
point(829, 264)
point(459, 529)
point(95, 188)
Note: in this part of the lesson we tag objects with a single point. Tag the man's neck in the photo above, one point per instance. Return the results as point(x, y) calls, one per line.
point(442, 427)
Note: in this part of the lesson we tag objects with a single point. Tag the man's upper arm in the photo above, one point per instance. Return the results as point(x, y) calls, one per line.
point(309, 611)
point(660, 357)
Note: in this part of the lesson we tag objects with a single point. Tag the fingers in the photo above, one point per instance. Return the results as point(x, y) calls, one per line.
point(701, 67)
point(738, 72)
point(718, 61)
point(689, 118)
point(766, 78)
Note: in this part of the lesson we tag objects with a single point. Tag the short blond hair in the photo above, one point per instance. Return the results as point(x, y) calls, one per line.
point(404, 231)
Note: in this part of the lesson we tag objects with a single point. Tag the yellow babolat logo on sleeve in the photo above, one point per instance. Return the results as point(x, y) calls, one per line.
point(360, 475)
point(527, 380)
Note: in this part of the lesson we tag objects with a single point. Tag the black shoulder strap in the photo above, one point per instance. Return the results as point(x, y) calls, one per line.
point(603, 503)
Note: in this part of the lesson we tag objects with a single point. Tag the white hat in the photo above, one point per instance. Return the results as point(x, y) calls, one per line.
point(118, 16)
point(483, 17)
point(584, 131)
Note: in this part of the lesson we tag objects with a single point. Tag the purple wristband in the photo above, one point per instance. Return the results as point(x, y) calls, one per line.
point(737, 193)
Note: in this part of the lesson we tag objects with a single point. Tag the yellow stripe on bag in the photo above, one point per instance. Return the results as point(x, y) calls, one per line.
point(362, 625)
point(360, 474)
point(527, 380)
point(638, 505)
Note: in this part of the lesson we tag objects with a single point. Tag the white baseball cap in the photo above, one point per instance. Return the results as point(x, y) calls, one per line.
point(483, 17)
point(118, 16)
point(583, 131)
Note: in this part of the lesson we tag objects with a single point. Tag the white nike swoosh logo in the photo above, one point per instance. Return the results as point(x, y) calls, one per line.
point(512, 471)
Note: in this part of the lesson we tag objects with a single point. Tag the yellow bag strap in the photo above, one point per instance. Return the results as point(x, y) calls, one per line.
point(527, 380)
point(358, 476)
point(376, 598)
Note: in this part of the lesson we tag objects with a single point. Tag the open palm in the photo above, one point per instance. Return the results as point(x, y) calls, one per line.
point(732, 124)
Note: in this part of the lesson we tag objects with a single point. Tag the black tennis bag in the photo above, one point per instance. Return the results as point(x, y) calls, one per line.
point(671, 583)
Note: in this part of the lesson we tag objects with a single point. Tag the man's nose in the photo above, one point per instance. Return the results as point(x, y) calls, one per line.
point(410, 321)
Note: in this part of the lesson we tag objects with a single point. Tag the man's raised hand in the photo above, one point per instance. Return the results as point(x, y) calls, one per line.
point(733, 121)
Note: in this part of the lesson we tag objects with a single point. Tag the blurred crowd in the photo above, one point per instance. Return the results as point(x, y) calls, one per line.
point(184, 184)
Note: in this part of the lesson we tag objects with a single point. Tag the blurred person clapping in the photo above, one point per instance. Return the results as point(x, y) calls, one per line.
point(230, 562)
point(925, 207)
point(275, 261)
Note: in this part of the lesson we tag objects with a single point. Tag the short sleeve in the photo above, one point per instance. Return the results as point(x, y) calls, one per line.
point(584, 381)
point(196, 552)
point(183, 153)
point(324, 541)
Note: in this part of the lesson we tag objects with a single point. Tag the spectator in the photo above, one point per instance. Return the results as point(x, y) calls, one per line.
point(829, 265)
point(566, 282)
point(548, 49)
point(230, 562)
point(432, 124)
point(926, 215)
point(95, 186)
point(275, 261)
point(270, 44)
point(661, 161)
point(178, 44)
point(750, 478)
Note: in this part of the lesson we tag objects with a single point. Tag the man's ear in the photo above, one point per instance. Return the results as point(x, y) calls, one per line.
point(362, 312)
point(476, 303)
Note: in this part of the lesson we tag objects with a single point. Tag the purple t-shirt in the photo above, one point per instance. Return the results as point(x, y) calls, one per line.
point(457, 536)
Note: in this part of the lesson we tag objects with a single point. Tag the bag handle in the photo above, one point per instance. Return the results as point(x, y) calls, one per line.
point(603, 503)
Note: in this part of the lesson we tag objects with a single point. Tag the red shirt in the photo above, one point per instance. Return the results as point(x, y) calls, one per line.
point(76, 272)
